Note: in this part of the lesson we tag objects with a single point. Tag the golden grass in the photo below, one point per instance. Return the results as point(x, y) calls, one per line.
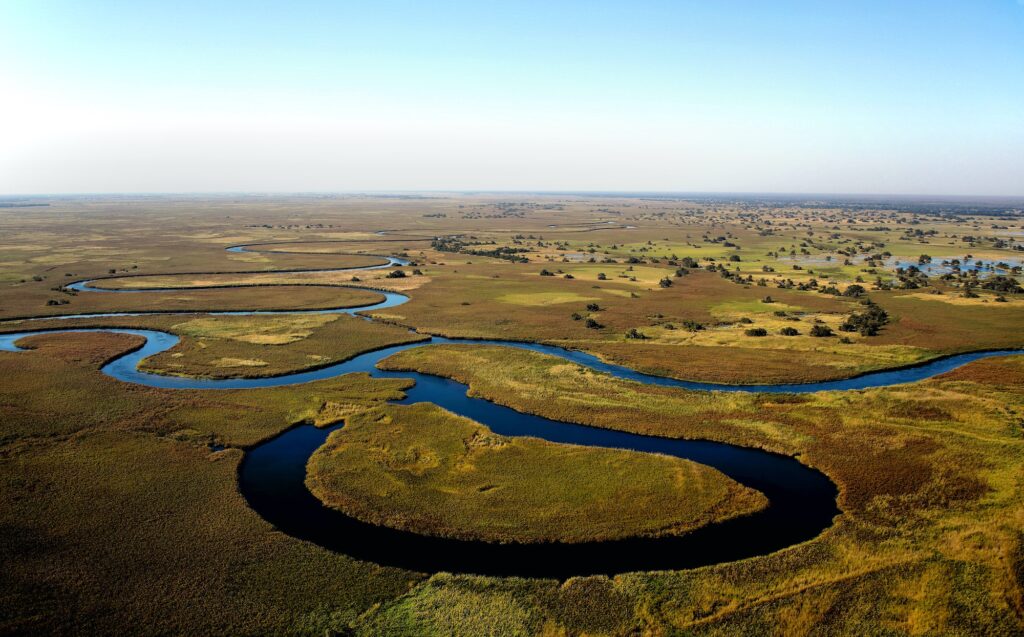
point(423, 469)
point(258, 329)
point(539, 299)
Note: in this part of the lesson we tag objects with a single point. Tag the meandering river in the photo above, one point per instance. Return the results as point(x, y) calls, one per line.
point(272, 474)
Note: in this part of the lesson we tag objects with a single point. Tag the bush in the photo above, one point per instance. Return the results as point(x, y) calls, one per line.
point(546, 272)
point(593, 307)
point(820, 330)
point(756, 331)
point(635, 334)
point(789, 331)
point(396, 274)
point(594, 325)
point(692, 326)
point(665, 283)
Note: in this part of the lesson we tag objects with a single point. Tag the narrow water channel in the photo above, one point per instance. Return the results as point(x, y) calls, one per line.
point(272, 474)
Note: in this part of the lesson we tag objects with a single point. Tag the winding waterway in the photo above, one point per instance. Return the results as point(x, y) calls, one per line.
point(272, 474)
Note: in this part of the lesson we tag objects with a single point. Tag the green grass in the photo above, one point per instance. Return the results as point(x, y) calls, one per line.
point(423, 469)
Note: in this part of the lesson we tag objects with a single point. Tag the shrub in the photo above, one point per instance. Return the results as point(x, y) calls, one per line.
point(665, 283)
point(789, 331)
point(692, 326)
point(546, 272)
point(594, 325)
point(635, 334)
point(820, 330)
point(756, 331)
point(396, 274)
point(593, 307)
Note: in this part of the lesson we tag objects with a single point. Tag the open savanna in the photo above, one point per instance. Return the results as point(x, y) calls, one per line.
point(423, 469)
point(513, 301)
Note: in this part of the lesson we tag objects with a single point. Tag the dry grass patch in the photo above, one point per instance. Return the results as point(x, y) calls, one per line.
point(257, 329)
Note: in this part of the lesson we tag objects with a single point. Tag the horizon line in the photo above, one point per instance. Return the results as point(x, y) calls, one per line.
point(497, 191)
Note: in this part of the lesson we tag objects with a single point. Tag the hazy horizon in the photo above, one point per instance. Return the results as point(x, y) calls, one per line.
point(682, 194)
point(874, 99)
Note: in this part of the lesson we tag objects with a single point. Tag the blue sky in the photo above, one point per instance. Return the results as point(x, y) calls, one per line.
point(852, 97)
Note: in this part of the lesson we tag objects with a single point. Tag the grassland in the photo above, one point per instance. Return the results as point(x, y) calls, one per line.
point(930, 478)
point(116, 515)
point(929, 541)
point(423, 469)
point(509, 301)
point(293, 297)
point(371, 278)
point(225, 346)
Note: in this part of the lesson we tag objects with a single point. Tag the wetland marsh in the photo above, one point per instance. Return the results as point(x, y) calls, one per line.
point(819, 458)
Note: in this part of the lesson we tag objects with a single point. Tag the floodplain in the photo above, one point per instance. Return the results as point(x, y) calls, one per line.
point(121, 501)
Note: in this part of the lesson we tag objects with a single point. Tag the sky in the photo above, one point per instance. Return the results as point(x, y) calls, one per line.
point(889, 97)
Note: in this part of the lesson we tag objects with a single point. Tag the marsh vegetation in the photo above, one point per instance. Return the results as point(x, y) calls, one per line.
point(423, 469)
point(118, 512)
